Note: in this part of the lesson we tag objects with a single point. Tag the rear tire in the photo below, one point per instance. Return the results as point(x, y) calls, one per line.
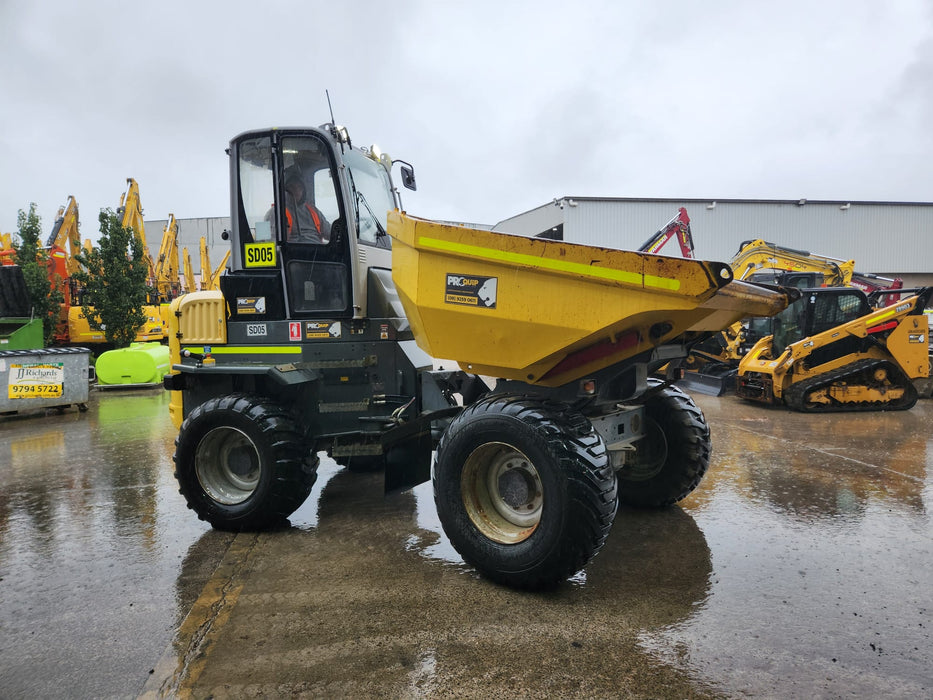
point(524, 490)
point(240, 463)
point(672, 457)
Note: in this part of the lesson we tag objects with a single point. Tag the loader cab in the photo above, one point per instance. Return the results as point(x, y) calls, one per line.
point(817, 310)
point(758, 328)
point(306, 209)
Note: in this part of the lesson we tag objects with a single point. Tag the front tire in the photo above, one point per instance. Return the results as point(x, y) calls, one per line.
point(524, 490)
point(672, 457)
point(240, 463)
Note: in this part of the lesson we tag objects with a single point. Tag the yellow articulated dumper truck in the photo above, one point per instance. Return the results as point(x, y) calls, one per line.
point(321, 339)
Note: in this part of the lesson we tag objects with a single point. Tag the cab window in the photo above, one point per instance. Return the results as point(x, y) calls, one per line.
point(309, 198)
point(256, 186)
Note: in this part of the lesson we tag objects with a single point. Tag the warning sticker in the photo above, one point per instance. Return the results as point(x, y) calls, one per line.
point(323, 329)
point(471, 290)
point(251, 305)
point(36, 381)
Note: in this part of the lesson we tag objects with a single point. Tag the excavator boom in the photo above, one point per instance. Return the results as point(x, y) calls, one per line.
point(166, 267)
point(760, 256)
point(210, 277)
point(679, 226)
point(131, 216)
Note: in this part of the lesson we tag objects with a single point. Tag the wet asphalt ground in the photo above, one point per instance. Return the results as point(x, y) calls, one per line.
point(801, 567)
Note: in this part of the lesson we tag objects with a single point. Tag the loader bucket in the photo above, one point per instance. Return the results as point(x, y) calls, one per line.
point(714, 381)
point(549, 312)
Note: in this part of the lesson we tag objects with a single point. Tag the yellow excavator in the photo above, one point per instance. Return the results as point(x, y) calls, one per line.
point(64, 244)
point(7, 253)
point(131, 216)
point(167, 281)
point(761, 261)
point(165, 272)
point(832, 351)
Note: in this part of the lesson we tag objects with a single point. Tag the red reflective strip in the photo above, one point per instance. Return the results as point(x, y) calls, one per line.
point(883, 327)
point(594, 352)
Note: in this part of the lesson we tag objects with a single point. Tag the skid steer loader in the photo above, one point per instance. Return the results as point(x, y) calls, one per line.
point(326, 346)
point(831, 350)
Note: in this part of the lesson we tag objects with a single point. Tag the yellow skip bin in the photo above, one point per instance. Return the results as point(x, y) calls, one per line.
point(549, 312)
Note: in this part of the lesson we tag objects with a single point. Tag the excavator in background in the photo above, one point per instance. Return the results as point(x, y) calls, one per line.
point(873, 285)
point(761, 261)
point(165, 272)
point(830, 350)
point(131, 216)
point(678, 227)
point(7, 254)
point(210, 277)
point(64, 245)
point(167, 283)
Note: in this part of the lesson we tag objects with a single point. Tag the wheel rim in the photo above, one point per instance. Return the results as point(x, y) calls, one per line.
point(651, 454)
point(502, 493)
point(228, 465)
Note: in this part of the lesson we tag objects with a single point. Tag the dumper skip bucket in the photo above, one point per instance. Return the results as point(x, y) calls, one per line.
point(550, 312)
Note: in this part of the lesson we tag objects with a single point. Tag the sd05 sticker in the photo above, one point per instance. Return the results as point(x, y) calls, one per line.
point(260, 254)
point(471, 290)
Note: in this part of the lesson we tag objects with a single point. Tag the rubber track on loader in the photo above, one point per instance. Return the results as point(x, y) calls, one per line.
point(856, 373)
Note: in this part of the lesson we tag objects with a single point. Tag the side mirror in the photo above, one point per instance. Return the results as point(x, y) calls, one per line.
point(408, 177)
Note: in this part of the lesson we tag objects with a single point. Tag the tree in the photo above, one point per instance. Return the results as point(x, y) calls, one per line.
point(33, 259)
point(114, 281)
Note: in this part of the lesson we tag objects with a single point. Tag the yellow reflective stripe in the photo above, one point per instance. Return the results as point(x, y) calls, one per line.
point(250, 350)
point(881, 317)
point(551, 264)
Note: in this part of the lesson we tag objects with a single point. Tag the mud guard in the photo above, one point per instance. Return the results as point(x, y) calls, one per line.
point(408, 449)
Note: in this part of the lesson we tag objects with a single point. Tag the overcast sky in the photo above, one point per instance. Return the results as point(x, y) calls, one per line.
point(500, 106)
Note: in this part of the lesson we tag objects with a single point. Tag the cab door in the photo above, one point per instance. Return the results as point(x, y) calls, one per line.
point(316, 273)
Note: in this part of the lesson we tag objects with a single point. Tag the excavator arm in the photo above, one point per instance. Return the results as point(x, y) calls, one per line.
point(131, 216)
point(759, 255)
point(210, 278)
point(166, 267)
point(65, 238)
point(679, 226)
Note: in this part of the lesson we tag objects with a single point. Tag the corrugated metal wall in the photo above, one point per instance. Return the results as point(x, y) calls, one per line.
point(881, 237)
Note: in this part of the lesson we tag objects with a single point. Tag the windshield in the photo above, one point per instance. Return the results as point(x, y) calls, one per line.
point(373, 195)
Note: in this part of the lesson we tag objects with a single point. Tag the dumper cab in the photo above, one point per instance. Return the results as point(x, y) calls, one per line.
point(306, 209)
